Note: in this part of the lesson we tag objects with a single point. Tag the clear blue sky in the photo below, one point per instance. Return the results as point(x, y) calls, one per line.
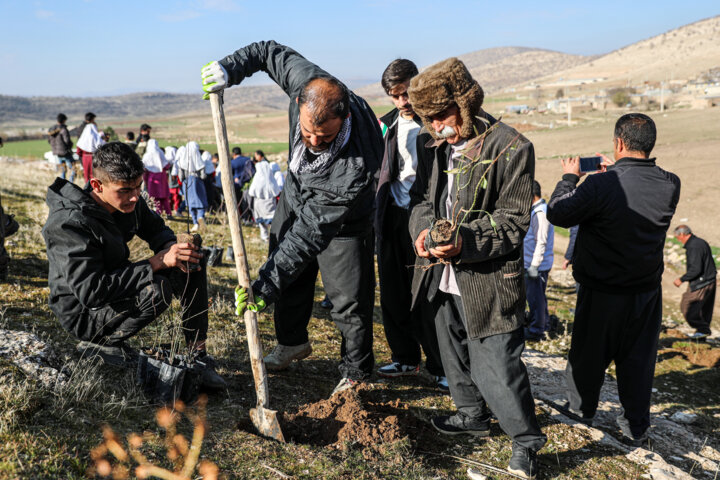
point(96, 47)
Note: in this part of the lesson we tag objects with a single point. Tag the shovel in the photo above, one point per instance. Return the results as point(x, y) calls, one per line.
point(264, 419)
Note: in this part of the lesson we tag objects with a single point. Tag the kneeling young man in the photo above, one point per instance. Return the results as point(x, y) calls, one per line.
point(481, 179)
point(96, 293)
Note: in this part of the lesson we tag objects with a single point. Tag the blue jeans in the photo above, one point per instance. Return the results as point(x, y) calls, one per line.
point(537, 301)
point(197, 213)
point(67, 163)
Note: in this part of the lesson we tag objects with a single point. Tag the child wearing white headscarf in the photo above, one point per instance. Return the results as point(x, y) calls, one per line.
point(210, 180)
point(264, 190)
point(89, 141)
point(155, 176)
point(191, 169)
point(173, 182)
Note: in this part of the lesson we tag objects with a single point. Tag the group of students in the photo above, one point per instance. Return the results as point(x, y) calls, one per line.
point(177, 178)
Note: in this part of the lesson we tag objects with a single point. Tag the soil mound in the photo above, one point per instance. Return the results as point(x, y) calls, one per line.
point(697, 353)
point(351, 417)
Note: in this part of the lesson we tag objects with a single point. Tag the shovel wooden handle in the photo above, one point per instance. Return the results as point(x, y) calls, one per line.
point(241, 264)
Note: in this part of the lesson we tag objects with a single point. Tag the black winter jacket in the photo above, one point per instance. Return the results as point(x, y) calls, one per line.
point(314, 208)
point(496, 197)
point(88, 254)
point(59, 140)
point(701, 270)
point(389, 170)
point(624, 215)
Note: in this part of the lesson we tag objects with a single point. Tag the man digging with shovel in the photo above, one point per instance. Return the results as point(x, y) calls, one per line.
point(323, 220)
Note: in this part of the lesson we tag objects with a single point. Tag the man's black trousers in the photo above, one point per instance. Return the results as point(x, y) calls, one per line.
point(348, 276)
point(623, 328)
point(124, 318)
point(405, 330)
point(487, 372)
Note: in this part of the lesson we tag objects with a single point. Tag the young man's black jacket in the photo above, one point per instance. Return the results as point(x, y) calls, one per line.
point(701, 269)
point(314, 208)
point(390, 168)
point(88, 255)
point(624, 215)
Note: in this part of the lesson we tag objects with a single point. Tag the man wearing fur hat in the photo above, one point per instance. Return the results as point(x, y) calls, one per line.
point(481, 181)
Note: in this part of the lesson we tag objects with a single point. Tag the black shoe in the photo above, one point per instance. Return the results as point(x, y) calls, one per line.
point(523, 462)
point(210, 379)
point(458, 424)
point(628, 438)
point(117, 355)
point(533, 337)
point(697, 336)
point(577, 415)
point(11, 225)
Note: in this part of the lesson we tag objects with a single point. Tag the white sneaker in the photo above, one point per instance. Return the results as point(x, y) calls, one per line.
point(195, 228)
point(282, 355)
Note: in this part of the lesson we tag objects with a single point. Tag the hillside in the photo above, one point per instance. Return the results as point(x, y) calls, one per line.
point(679, 54)
point(497, 68)
point(14, 110)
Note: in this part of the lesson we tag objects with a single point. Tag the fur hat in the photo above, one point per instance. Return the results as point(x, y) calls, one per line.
point(441, 85)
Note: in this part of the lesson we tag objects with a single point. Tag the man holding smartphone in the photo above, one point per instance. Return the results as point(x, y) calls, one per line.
point(624, 214)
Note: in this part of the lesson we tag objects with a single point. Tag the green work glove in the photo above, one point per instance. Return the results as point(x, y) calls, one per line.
point(214, 78)
point(241, 302)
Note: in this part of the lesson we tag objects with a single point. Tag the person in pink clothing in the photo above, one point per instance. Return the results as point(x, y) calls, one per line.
point(156, 176)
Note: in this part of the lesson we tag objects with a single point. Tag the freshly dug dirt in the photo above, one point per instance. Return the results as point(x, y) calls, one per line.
point(351, 417)
point(701, 354)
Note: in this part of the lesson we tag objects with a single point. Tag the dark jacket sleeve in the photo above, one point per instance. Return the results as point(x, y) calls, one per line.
point(421, 209)
point(152, 227)
point(569, 204)
point(65, 136)
point(694, 264)
point(484, 241)
point(318, 221)
point(285, 66)
point(84, 273)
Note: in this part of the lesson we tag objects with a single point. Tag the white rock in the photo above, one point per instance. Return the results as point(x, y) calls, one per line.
point(683, 417)
point(33, 356)
point(474, 474)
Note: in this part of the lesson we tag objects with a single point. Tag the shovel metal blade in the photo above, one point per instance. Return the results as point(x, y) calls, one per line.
point(266, 421)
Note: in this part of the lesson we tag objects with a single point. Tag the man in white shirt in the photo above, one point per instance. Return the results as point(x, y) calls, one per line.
point(406, 330)
point(538, 256)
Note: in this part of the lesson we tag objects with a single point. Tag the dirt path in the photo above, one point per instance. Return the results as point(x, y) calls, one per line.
point(673, 443)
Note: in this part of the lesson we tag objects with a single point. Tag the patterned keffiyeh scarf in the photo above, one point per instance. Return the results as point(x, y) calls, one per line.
point(304, 161)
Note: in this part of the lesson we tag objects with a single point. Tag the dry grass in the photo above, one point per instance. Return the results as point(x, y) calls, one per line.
point(50, 434)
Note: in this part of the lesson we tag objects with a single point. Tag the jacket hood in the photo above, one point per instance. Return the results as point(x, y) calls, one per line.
point(65, 195)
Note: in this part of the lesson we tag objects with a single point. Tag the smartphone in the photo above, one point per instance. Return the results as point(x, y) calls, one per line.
point(590, 164)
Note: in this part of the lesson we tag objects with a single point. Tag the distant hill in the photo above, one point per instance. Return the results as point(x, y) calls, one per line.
point(14, 110)
point(497, 68)
point(679, 54)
